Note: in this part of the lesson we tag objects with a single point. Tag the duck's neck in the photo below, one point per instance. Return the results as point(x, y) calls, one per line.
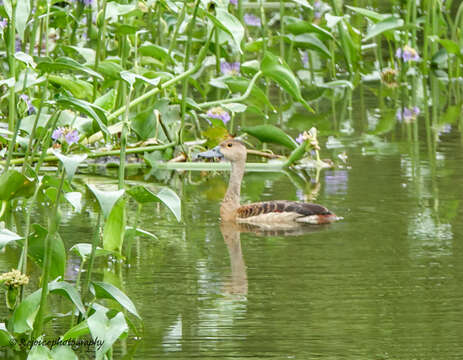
point(231, 201)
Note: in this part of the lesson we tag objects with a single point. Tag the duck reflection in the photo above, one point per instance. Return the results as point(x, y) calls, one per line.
point(231, 232)
point(238, 282)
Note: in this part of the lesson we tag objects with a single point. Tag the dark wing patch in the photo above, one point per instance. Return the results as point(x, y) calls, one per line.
point(267, 207)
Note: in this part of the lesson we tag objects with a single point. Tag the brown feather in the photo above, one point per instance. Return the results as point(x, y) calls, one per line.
point(303, 209)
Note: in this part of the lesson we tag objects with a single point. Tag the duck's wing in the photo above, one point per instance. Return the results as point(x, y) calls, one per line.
point(299, 209)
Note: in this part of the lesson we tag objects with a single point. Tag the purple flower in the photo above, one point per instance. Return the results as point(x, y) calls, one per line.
point(72, 137)
point(219, 113)
point(300, 138)
point(234, 2)
point(251, 20)
point(86, 2)
point(18, 46)
point(232, 68)
point(407, 115)
point(317, 9)
point(30, 108)
point(407, 54)
point(305, 59)
point(57, 133)
point(3, 23)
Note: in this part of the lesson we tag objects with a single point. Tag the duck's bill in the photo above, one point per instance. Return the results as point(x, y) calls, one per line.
point(211, 154)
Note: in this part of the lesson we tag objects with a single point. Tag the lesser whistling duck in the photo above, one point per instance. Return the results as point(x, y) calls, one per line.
point(268, 212)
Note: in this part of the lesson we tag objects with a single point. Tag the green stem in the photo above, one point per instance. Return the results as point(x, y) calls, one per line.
point(217, 53)
point(237, 99)
point(124, 134)
point(22, 264)
point(282, 29)
point(34, 126)
point(53, 223)
point(12, 144)
point(186, 63)
point(96, 239)
point(137, 150)
point(165, 85)
point(100, 37)
point(177, 28)
point(12, 63)
point(35, 25)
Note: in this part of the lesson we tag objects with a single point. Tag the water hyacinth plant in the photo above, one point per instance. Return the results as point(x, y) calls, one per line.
point(90, 84)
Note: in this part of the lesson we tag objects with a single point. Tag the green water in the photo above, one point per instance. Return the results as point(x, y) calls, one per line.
point(383, 283)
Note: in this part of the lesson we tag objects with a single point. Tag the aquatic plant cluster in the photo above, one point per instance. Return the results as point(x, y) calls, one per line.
point(88, 79)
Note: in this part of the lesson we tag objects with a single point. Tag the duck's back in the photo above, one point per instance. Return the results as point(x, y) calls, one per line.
point(282, 211)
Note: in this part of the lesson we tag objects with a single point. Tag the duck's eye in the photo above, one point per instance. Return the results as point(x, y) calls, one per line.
point(229, 144)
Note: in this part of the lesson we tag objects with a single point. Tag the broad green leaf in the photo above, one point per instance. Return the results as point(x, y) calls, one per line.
point(68, 64)
point(24, 315)
point(310, 41)
point(113, 233)
point(27, 123)
point(271, 134)
point(75, 199)
point(103, 290)
point(110, 69)
point(107, 101)
point(79, 88)
point(114, 10)
point(37, 250)
point(10, 82)
point(23, 11)
point(296, 154)
point(230, 24)
point(297, 27)
point(69, 291)
point(8, 8)
point(257, 96)
point(7, 236)
point(131, 231)
point(14, 185)
point(451, 46)
point(124, 29)
point(144, 124)
point(95, 112)
point(106, 330)
point(332, 21)
point(25, 58)
point(77, 331)
point(106, 199)
point(165, 195)
point(86, 53)
point(390, 23)
point(84, 250)
point(61, 352)
point(70, 162)
point(277, 70)
point(370, 14)
point(155, 51)
point(235, 107)
point(131, 77)
point(440, 57)
point(5, 336)
point(337, 84)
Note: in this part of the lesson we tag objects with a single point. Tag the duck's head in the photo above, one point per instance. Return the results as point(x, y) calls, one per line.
point(232, 150)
